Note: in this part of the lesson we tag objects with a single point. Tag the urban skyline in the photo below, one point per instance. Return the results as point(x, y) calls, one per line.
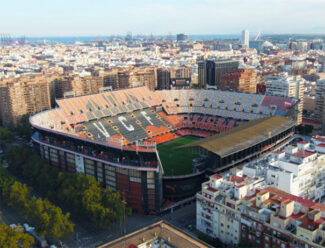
point(162, 124)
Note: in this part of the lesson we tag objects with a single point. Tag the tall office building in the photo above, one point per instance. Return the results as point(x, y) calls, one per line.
point(24, 95)
point(163, 78)
point(181, 37)
point(245, 38)
point(222, 67)
point(207, 73)
point(320, 103)
point(284, 85)
point(241, 80)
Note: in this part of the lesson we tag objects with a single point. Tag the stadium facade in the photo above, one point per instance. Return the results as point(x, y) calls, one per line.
point(113, 136)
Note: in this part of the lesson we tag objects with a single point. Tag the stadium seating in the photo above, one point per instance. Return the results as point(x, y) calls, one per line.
point(135, 126)
point(128, 116)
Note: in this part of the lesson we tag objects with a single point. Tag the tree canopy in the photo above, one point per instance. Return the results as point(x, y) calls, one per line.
point(80, 194)
point(48, 218)
point(14, 237)
point(5, 135)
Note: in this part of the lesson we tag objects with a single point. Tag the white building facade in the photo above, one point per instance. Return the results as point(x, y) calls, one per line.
point(217, 206)
point(287, 86)
point(245, 38)
point(298, 170)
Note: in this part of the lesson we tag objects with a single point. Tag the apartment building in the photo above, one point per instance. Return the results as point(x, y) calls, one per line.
point(298, 170)
point(110, 78)
point(217, 205)
point(284, 85)
point(180, 72)
point(235, 208)
point(159, 234)
point(75, 85)
point(134, 77)
point(23, 95)
point(241, 80)
point(145, 77)
point(320, 103)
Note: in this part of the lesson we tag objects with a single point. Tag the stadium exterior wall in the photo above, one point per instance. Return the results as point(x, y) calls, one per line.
point(139, 186)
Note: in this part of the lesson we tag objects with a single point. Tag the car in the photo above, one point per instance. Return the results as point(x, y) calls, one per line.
point(191, 227)
point(5, 164)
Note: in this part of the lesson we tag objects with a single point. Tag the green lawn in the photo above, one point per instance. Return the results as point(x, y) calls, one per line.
point(177, 161)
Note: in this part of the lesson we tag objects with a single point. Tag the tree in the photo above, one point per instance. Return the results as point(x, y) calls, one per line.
point(48, 218)
point(6, 135)
point(18, 195)
point(14, 237)
point(5, 185)
point(79, 193)
point(23, 128)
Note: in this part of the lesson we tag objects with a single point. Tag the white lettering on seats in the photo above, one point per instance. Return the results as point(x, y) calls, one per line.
point(146, 117)
point(101, 129)
point(122, 119)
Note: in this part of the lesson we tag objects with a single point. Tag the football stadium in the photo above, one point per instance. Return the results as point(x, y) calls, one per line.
point(156, 147)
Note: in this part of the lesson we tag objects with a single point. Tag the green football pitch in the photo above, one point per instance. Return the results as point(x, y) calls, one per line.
point(177, 162)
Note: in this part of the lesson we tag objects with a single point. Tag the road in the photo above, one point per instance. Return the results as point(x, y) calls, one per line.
point(9, 216)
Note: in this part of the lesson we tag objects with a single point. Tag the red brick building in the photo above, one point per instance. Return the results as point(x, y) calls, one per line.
point(260, 88)
point(241, 80)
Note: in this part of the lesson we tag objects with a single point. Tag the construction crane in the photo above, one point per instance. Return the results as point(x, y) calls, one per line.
point(6, 39)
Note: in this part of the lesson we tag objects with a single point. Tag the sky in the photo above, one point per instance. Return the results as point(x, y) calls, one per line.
point(159, 17)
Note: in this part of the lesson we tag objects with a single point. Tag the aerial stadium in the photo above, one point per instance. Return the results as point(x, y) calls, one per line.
point(156, 147)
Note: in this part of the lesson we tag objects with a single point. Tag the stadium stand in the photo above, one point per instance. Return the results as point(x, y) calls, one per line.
point(129, 115)
point(234, 105)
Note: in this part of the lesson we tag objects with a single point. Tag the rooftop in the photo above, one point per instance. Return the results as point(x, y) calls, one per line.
point(160, 231)
point(244, 136)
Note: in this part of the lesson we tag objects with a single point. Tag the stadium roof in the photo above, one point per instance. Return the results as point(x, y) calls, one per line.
point(244, 136)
